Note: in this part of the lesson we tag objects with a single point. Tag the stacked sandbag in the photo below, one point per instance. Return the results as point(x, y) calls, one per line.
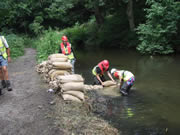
point(109, 83)
point(58, 65)
point(72, 87)
point(41, 68)
point(93, 87)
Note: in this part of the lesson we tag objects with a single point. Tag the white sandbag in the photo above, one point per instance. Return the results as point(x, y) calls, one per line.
point(58, 60)
point(53, 85)
point(70, 98)
point(57, 55)
point(58, 72)
point(77, 86)
point(41, 68)
point(109, 83)
point(46, 78)
point(93, 87)
point(77, 94)
point(51, 71)
point(62, 65)
point(70, 78)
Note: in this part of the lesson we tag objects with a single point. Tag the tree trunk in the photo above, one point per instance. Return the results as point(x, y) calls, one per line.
point(130, 15)
point(98, 15)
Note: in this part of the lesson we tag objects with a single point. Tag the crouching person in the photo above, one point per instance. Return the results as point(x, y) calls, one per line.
point(99, 71)
point(126, 80)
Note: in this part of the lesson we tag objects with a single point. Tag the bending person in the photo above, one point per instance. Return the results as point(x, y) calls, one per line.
point(99, 70)
point(126, 80)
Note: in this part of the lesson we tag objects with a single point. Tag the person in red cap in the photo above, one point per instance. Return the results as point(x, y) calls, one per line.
point(66, 49)
point(99, 70)
point(126, 80)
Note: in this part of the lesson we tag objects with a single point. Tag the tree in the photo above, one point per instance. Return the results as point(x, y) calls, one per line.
point(161, 24)
point(96, 6)
point(130, 14)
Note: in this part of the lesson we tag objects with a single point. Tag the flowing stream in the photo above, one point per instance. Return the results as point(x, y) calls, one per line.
point(153, 105)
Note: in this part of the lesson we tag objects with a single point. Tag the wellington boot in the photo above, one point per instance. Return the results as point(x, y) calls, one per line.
point(123, 93)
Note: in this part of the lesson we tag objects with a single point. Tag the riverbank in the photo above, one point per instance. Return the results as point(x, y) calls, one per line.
point(29, 109)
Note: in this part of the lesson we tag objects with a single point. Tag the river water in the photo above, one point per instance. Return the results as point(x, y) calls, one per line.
point(153, 105)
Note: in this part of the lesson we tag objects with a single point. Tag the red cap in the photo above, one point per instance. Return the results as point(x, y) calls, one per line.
point(106, 64)
point(64, 38)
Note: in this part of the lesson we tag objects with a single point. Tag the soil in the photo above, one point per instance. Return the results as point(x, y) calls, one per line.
point(26, 110)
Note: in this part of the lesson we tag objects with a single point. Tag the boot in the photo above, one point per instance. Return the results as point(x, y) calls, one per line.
point(123, 92)
point(3, 83)
point(8, 85)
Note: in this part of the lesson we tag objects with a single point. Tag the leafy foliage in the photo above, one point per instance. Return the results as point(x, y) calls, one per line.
point(48, 43)
point(16, 44)
point(161, 24)
point(95, 23)
point(89, 35)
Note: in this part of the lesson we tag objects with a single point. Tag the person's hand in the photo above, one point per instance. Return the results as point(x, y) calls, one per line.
point(102, 84)
point(114, 81)
point(9, 59)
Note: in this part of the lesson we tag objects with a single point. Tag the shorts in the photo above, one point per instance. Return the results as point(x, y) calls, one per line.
point(3, 62)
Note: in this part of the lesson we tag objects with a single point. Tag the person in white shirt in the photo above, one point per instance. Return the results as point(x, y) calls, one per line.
point(126, 80)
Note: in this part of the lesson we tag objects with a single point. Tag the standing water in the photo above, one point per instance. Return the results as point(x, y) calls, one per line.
point(153, 105)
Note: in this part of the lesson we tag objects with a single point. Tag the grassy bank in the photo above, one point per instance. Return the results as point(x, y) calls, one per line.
point(17, 44)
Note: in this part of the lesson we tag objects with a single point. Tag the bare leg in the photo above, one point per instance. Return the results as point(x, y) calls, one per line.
point(1, 74)
point(5, 71)
point(8, 84)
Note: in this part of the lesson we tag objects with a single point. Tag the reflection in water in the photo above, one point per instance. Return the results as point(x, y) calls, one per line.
point(153, 107)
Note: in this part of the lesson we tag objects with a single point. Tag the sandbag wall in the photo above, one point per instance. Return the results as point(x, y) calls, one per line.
point(42, 68)
point(71, 87)
point(57, 71)
point(58, 65)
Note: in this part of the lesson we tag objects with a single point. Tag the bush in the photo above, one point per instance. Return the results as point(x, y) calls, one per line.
point(158, 31)
point(113, 33)
point(48, 43)
point(77, 35)
point(16, 44)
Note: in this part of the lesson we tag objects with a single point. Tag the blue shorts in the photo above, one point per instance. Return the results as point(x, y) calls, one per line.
point(3, 62)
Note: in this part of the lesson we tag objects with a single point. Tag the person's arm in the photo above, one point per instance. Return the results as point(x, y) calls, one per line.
point(72, 50)
point(98, 72)
point(108, 73)
point(99, 79)
point(8, 54)
point(120, 81)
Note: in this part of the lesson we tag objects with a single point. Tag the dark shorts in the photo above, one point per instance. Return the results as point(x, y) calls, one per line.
point(3, 62)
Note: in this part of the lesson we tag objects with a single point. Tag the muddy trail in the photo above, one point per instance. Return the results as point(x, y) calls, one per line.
point(25, 110)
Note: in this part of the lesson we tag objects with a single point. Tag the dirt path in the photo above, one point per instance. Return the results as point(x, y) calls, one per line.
point(24, 111)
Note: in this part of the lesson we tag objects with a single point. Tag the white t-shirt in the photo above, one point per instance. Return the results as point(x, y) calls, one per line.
point(4, 41)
